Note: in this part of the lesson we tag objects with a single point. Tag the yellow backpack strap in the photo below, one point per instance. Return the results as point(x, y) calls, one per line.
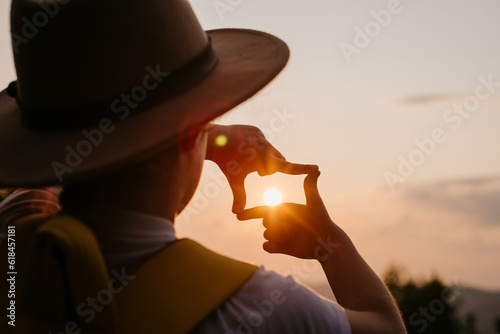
point(82, 265)
point(177, 288)
point(170, 293)
point(41, 326)
point(23, 233)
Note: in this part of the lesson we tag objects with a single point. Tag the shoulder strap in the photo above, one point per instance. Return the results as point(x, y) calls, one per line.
point(179, 287)
point(84, 266)
point(170, 293)
point(20, 241)
point(80, 265)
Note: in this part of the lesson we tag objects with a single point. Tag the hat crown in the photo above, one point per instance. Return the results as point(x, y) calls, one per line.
point(80, 51)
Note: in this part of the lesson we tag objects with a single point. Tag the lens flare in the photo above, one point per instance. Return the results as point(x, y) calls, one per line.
point(272, 197)
point(221, 140)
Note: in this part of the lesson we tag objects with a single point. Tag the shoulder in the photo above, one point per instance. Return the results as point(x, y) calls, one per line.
point(271, 303)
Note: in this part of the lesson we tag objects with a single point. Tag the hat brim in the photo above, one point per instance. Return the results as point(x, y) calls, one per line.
point(248, 60)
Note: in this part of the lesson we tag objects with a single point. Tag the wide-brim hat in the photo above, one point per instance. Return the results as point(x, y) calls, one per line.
point(106, 83)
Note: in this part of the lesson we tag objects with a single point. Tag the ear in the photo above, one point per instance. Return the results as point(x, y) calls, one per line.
point(192, 138)
point(194, 135)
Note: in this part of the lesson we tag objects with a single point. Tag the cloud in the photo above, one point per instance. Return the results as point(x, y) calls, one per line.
point(476, 198)
point(437, 98)
point(428, 99)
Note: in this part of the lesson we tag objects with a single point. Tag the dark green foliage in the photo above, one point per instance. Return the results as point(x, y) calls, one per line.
point(497, 324)
point(470, 324)
point(427, 307)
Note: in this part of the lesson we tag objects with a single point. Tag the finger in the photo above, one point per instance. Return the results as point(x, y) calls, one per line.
point(281, 232)
point(311, 189)
point(274, 219)
point(268, 163)
point(272, 161)
point(239, 194)
point(274, 152)
point(253, 213)
point(271, 247)
point(267, 222)
point(291, 168)
point(273, 165)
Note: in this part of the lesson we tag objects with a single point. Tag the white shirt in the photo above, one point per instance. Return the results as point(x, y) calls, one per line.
point(266, 303)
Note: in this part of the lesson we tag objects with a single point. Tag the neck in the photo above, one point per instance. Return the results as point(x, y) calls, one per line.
point(156, 203)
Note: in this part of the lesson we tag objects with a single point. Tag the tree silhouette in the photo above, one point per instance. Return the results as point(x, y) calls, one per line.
point(427, 307)
point(497, 324)
point(470, 324)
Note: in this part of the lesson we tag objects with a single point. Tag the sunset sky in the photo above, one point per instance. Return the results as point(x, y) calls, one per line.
point(420, 86)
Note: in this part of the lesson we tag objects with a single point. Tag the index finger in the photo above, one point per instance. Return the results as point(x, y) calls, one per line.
point(274, 152)
point(239, 194)
point(253, 213)
point(291, 168)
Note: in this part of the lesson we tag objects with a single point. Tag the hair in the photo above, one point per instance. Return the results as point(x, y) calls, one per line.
point(148, 174)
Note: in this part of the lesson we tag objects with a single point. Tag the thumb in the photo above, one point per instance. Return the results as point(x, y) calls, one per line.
point(311, 189)
point(239, 194)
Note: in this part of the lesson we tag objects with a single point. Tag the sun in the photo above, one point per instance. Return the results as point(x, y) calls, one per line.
point(272, 197)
